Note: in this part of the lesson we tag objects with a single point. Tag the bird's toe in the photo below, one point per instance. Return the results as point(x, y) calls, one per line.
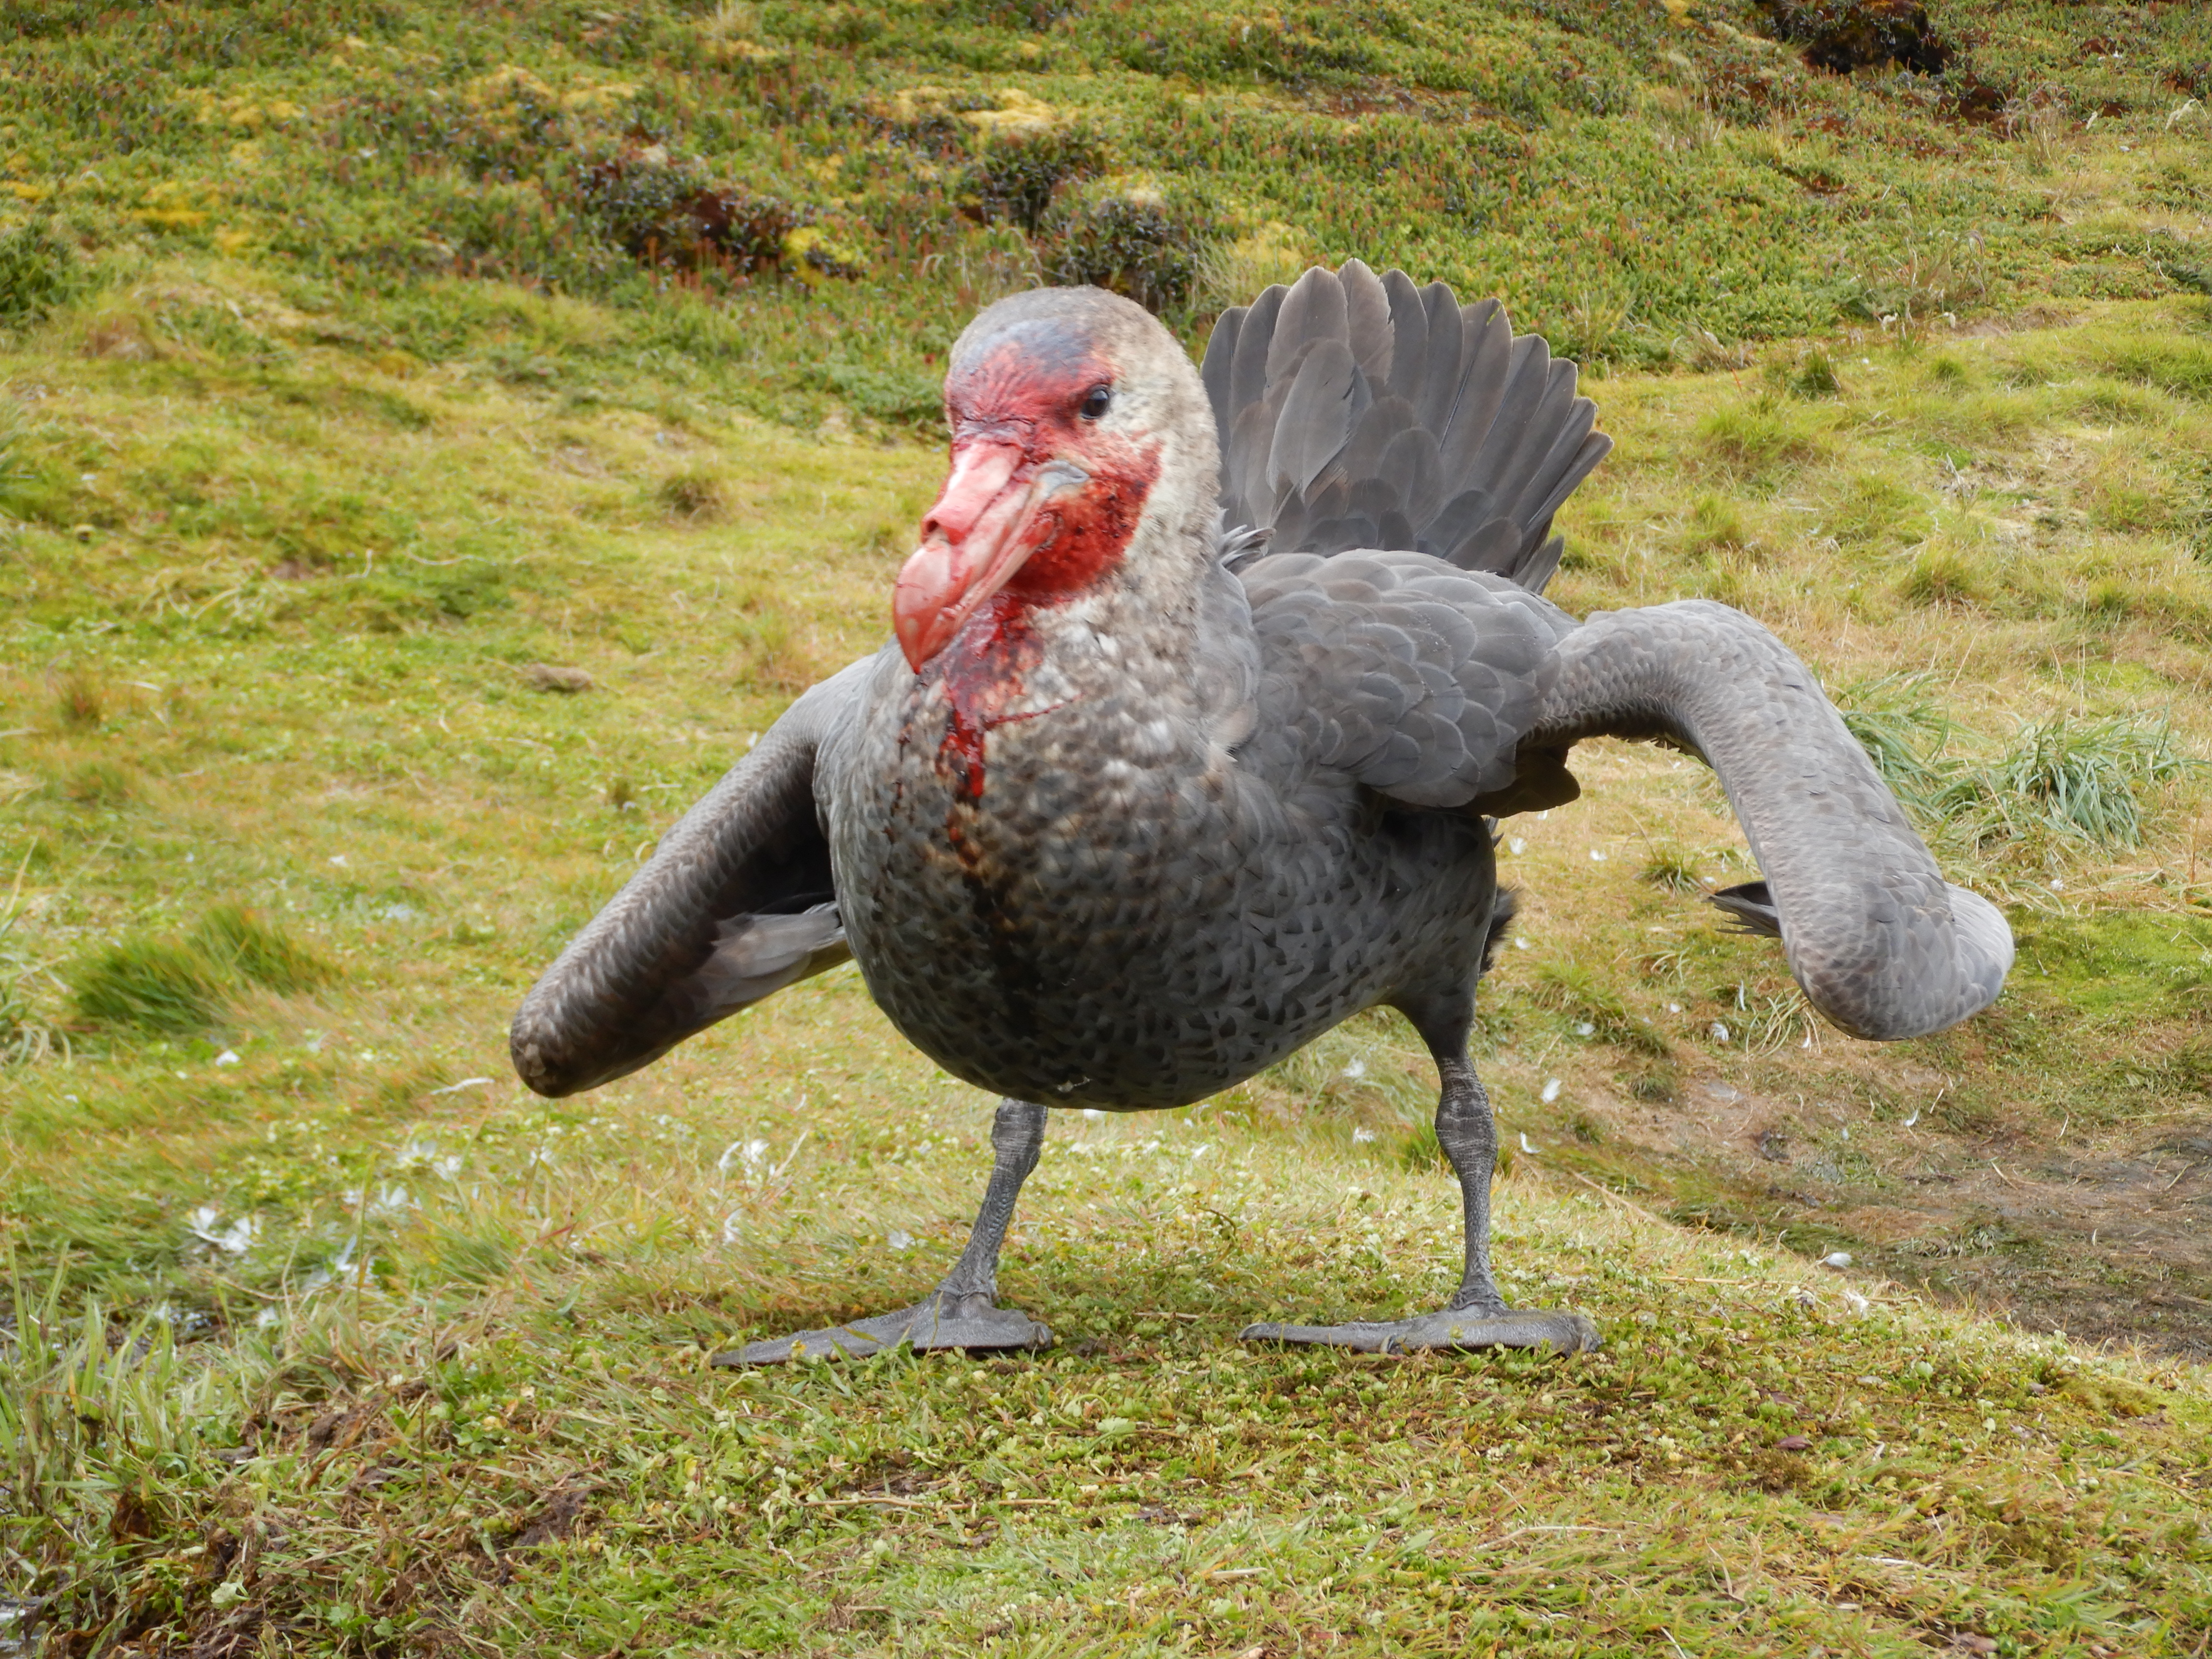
point(934, 1325)
point(1555, 1329)
point(1549, 1328)
point(853, 1341)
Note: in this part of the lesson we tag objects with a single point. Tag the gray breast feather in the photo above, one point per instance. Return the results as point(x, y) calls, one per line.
point(1416, 678)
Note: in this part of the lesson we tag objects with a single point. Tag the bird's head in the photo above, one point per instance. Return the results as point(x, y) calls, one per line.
point(1080, 434)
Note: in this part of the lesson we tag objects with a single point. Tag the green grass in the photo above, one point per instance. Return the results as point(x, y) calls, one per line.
point(376, 376)
point(150, 984)
point(1904, 733)
point(371, 1474)
point(2084, 780)
point(245, 945)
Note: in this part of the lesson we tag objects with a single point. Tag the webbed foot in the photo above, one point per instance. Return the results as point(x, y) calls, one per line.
point(1536, 1328)
point(938, 1322)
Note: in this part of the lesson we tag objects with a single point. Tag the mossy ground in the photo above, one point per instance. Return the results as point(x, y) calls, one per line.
point(375, 380)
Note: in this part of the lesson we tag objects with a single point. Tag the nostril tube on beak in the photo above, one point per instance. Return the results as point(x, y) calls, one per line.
point(979, 472)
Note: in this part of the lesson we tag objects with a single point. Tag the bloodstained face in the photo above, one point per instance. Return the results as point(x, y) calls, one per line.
point(1046, 488)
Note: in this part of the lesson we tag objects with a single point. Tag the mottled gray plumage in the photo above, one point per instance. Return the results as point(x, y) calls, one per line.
point(1180, 824)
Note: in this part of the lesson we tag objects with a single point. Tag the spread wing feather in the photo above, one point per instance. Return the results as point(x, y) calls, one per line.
point(1357, 411)
point(1883, 946)
point(737, 902)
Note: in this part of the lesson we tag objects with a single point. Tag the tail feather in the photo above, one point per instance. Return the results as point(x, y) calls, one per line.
point(1360, 412)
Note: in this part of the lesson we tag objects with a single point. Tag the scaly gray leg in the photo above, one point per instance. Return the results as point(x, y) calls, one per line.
point(963, 1312)
point(1477, 1316)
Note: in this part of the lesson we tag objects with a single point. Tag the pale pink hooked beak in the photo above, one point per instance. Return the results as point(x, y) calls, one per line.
point(972, 542)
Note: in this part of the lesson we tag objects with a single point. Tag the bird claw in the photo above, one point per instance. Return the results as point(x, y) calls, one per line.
point(1539, 1328)
point(932, 1325)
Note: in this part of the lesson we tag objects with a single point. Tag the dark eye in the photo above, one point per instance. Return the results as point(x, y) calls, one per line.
point(1096, 402)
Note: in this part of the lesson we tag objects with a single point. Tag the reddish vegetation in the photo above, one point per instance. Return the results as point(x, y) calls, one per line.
point(1841, 36)
point(665, 217)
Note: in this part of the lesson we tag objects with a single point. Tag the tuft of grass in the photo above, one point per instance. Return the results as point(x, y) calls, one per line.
point(100, 783)
point(1759, 441)
point(771, 653)
point(2192, 507)
point(1868, 509)
point(80, 700)
point(25, 1038)
point(149, 985)
point(1598, 332)
point(2072, 779)
point(694, 493)
point(1671, 866)
point(1422, 1153)
point(1704, 352)
point(2180, 366)
point(1903, 732)
point(26, 1035)
point(1768, 1024)
point(1572, 989)
point(166, 988)
point(242, 945)
point(2110, 598)
point(1717, 526)
point(1813, 376)
point(898, 399)
point(1234, 272)
point(40, 271)
point(1946, 370)
point(1943, 574)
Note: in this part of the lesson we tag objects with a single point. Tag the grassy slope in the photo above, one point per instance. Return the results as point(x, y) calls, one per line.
point(306, 466)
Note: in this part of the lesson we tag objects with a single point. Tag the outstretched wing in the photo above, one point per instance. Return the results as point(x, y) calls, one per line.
point(1416, 678)
point(1881, 944)
point(737, 902)
point(1357, 411)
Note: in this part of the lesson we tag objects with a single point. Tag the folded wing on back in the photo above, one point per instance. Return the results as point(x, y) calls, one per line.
point(1415, 678)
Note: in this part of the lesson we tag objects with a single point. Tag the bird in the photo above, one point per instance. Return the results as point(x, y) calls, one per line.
point(1209, 686)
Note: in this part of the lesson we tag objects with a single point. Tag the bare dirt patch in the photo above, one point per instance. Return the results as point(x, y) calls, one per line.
point(2105, 1236)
